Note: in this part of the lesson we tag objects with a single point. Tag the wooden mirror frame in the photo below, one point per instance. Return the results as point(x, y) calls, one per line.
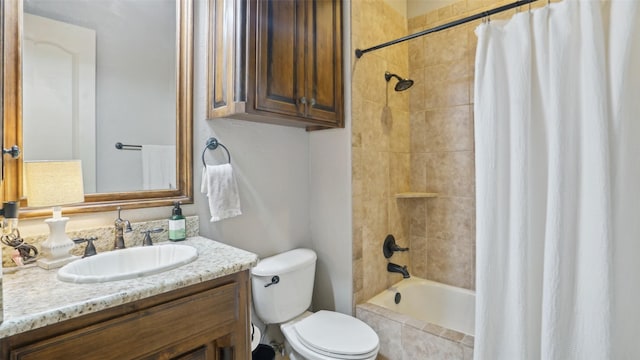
point(11, 12)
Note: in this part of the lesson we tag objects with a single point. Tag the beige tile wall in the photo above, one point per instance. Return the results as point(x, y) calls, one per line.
point(442, 158)
point(422, 141)
point(380, 146)
point(442, 230)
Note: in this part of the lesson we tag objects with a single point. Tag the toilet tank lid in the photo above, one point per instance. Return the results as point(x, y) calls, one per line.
point(284, 262)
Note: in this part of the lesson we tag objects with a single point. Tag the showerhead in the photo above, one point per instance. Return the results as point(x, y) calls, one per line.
point(402, 85)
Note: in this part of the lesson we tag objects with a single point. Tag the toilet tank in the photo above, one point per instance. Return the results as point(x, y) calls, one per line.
point(291, 275)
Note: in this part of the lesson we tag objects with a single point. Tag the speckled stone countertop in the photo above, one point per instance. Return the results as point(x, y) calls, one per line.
point(34, 297)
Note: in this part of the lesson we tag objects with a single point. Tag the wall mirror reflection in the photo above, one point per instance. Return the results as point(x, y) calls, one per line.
point(109, 83)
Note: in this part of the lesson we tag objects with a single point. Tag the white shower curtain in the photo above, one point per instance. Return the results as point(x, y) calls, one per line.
point(557, 121)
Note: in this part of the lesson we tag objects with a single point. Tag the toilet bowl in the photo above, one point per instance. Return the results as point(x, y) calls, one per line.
point(282, 286)
point(328, 335)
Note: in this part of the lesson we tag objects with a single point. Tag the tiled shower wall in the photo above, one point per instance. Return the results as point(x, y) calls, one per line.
point(442, 229)
point(422, 141)
point(442, 156)
point(417, 140)
point(380, 146)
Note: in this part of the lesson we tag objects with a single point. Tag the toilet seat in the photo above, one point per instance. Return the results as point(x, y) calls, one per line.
point(328, 335)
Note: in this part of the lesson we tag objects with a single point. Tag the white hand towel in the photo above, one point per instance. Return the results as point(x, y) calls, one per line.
point(221, 188)
point(158, 167)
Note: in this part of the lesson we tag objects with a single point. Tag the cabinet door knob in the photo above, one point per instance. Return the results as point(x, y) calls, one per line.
point(303, 100)
point(313, 101)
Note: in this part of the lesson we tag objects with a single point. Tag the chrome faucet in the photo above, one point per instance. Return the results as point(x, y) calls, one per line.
point(391, 267)
point(121, 226)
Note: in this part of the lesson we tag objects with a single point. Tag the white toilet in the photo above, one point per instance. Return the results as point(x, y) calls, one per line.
point(282, 288)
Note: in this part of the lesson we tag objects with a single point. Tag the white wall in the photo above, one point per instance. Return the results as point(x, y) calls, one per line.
point(271, 165)
point(330, 217)
point(330, 202)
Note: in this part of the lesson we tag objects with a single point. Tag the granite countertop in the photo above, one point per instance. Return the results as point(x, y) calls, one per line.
point(34, 297)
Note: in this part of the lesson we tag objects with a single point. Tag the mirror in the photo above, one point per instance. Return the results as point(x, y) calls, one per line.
point(98, 73)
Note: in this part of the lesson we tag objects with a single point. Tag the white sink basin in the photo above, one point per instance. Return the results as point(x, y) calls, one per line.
point(127, 263)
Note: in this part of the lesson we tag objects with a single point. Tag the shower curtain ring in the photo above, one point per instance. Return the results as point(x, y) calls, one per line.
point(486, 18)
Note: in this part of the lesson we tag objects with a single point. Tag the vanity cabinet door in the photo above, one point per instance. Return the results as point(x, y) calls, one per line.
point(198, 354)
point(206, 324)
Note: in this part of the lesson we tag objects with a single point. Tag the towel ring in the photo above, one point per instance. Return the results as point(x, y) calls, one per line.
point(212, 144)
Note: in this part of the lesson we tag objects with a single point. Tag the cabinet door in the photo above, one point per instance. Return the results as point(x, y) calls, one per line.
point(187, 326)
point(324, 61)
point(202, 353)
point(226, 55)
point(280, 57)
point(220, 58)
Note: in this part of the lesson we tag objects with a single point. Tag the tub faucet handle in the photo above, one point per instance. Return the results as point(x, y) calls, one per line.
point(390, 246)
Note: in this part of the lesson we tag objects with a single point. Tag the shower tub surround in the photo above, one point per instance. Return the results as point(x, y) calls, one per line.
point(431, 321)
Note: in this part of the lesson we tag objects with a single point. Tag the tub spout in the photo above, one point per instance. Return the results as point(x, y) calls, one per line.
point(391, 267)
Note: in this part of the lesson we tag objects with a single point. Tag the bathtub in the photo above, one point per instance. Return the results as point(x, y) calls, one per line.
point(432, 302)
point(431, 320)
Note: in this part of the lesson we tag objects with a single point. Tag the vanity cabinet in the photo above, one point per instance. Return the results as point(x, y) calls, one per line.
point(276, 61)
point(209, 320)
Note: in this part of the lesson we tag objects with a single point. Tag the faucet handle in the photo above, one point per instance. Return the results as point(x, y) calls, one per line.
point(389, 246)
point(147, 236)
point(90, 249)
point(127, 226)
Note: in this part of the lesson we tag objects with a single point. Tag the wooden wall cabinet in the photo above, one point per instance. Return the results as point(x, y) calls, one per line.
point(276, 61)
point(204, 321)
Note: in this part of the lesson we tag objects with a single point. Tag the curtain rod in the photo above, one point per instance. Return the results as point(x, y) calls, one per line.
point(481, 15)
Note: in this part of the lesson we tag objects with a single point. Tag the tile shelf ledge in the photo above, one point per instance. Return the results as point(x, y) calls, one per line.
point(416, 195)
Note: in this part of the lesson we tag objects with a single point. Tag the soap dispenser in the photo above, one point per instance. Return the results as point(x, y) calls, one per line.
point(177, 224)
